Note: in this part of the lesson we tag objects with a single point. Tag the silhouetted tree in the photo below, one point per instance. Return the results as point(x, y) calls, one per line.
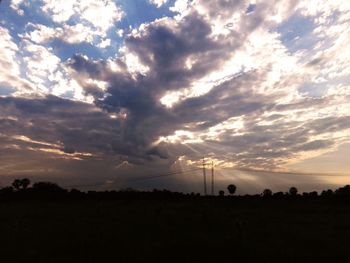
point(327, 193)
point(25, 182)
point(313, 194)
point(305, 194)
point(231, 189)
point(131, 190)
point(221, 193)
point(267, 193)
point(75, 191)
point(47, 188)
point(6, 190)
point(17, 184)
point(345, 190)
point(278, 195)
point(293, 191)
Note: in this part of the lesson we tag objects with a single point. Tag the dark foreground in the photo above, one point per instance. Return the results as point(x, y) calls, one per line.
point(192, 230)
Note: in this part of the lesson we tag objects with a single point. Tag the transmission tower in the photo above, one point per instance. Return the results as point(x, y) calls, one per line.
point(212, 178)
point(204, 177)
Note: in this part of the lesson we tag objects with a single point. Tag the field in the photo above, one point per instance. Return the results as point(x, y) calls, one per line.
point(182, 230)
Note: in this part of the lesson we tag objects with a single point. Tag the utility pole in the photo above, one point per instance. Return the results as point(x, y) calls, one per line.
point(204, 177)
point(212, 177)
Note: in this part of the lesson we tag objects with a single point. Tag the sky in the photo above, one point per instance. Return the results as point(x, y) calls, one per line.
point(105, 94)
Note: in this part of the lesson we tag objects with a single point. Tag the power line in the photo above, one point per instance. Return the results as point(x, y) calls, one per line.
point(143, 178)
point(162, 175)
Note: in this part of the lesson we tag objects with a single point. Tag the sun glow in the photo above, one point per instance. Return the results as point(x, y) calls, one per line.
point(180, 136)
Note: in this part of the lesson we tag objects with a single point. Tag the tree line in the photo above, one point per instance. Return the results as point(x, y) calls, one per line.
point(22, 188)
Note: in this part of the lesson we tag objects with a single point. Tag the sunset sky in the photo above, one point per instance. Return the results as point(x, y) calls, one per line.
point(103, 93)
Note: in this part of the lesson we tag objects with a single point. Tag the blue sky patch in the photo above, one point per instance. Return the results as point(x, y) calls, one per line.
point(295, 30)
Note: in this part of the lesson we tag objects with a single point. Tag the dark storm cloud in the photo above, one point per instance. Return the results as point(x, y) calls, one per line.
point(224, 101)
point(165, 46)
point(147, 119)
point(75, 126)
point(165, 50)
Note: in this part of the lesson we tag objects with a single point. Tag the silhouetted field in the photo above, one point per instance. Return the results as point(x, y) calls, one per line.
point(188, 229)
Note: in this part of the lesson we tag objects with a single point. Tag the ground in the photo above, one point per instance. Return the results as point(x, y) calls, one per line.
point(181, 230)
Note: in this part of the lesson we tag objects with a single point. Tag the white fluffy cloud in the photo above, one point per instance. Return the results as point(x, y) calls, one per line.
point(99, 15)
point(89, 22)
point(10, 75)
point(15, 4)
point(49, 73)
point(33, 69)
point(75, 22)
point(158, 3)
point(71, 34)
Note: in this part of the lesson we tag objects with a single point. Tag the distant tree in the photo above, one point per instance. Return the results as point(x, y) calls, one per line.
point(305, 194)
point(313, 194)
point(132, 190)
point(47, 188)
point(231, 189)
point(25, 182)
point(327, 193)
point(17, 183)
point(221, 193)
point(278, 195)
point(345, 190)
point(293, 191)
point(75, 191)
point(267, 193)
point(6, 190)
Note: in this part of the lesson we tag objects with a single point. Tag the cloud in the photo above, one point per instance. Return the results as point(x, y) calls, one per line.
point(275, 122)
point(10, 76)
point(47, 72)
point(52, 121)
point(76, 22)
point(158, 3)
point(71, 34)
point(99, 15)
point(15, 4)
point(221, 78)
point(180, 6)
point(40, 69)
point(56, 137)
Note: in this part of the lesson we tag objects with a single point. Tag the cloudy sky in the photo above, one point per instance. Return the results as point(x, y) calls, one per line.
point(105, 93)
